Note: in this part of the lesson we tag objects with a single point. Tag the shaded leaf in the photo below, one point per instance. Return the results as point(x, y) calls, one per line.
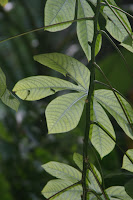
point(129, 188)
point(108, 100)
point(62, 171)
point(66, 65)
point(54, 186)
point(63, 113)
point(10, 100)
point(118, 192)
point(127, 164)
point(38, 87)
point(58, 11)
point(2, 82)
point(101, 141)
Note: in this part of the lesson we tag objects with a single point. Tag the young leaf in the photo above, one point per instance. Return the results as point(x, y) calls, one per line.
point(114, 26)
point(2, 82)
point(66, 65)
point(9, 100)
point(58, 11)
point(101, 141)
point(118, 192)
point(129, 188)
point(38, 87)
point(64, 112)
point(78, 159)
point(126, 162)
point(108, 100)
point(62, 171)
point(55, 186)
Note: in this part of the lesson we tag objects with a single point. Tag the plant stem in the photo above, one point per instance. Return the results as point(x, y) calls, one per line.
point(88, 106)
point(45, 27)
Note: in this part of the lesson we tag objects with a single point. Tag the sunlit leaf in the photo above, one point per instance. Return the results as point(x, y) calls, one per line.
point(38, 87)
point(55, 186)
point(10, 100)
point(127, 164)
point(62, 171)
point(101, 141)
point(108, 100)
point(64, 112)
point(58, 11)
point(118, 192)
point(3, 2)
point(66, 65)
point(129, 188)
point(2, 82)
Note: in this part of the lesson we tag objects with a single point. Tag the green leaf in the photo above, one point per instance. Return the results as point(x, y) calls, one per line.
point(129, 188)
point(55, 186)
point(92, 184)
point(118, 192)
point(78, 159)
point(85, 29)
point(58, 11)
point(101, 141)
point(63, 113)
point(38, 87)
point(3, 2)
point(66, 65)
point(62, 171)
point(10, 100)
point(126, 162)
point(114, 26)
point(2, 82)
point(108, 100)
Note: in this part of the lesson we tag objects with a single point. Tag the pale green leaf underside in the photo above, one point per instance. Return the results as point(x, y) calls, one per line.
point(114, 26)
point(126, 162)
point(63, 171)
point(58, 11)
point(101, 141)
point(108, 100)
point(9, 100)
point(54, 186)
point(92, 184)
point(64, 112)
point(2, 82)
point(118, 192)
point(66, 65)
point(38, 87)
point(78, 159)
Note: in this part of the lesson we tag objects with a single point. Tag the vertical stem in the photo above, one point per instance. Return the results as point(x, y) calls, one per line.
point(89, 100)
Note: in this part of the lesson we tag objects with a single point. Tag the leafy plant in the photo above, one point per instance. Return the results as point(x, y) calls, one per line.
point(64, 112)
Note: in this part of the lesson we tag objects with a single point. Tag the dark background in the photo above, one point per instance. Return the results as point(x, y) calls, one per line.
point(24, 142)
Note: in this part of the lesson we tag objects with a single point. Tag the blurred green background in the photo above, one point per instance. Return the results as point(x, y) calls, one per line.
point(24, 142)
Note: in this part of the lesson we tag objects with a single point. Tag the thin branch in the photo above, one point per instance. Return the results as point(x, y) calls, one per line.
point(118, 18)
point(75, 184)
point(118, 50)
point(119, 9)
point(99, 68)
point(106, 131)
point(98, 182)
point(45, 27)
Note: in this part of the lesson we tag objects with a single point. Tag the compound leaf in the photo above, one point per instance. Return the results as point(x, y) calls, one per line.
point(58, 11)
point(66, 65)
point(9, 100)
point(62, 171)
point(108, 100)
point(101, 141)
point(127, 164)
point(38, 87)
point(64, 112)
point(55, 186)
point(2, 82)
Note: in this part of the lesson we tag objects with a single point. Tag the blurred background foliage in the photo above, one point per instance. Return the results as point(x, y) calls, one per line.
point(24, 142)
